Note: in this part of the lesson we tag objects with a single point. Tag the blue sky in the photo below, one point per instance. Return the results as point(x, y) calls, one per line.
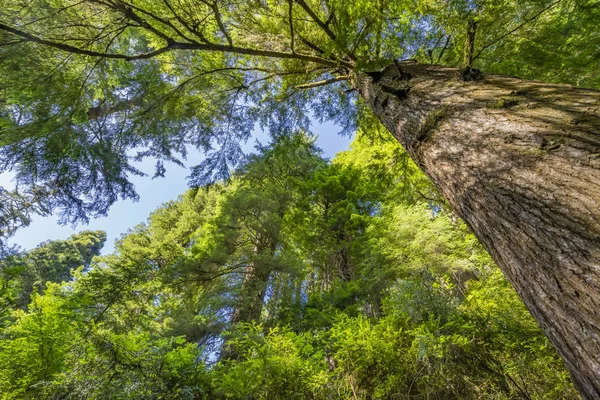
point(153, 192)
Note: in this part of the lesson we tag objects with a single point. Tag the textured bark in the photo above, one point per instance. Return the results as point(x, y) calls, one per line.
point(519, 161)
point(470, 43)
point(252, 297)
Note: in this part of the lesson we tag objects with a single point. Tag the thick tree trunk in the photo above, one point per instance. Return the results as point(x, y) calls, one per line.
point(252, 296)
point(519, 161)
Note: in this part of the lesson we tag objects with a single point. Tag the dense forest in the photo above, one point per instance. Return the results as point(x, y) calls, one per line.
point(281, 274)
point(296, 278)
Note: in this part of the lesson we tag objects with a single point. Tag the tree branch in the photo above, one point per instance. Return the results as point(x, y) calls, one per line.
point(323, 82)
point(319, 50)
point(185, 24)
point(311, 45)
point(172, 45)
point(322, 25)
point(162, 20)
point(316, 18)
point(218, 19)
point(439, 57)
point(291, 22)
point(128, 12)
point(76, 50)
point(515, 29)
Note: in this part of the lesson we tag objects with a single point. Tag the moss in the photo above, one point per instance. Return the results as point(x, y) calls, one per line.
point(504, 102)
point(431, 122)
point(532, 152)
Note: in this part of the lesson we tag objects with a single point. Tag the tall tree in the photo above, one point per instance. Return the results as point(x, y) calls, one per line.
point(424, 312)
point(516, 159)
point(52, 261)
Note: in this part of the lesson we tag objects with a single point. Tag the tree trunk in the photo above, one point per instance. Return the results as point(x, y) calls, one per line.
point(249, 306)
point(252, 298)
point(519, 161)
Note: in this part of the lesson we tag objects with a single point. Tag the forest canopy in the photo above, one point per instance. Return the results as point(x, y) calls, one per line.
point(90, 86)
point(297, 278)
point(282, 249)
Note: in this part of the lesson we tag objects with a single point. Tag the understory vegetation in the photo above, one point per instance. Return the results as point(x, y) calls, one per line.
point(297, 278)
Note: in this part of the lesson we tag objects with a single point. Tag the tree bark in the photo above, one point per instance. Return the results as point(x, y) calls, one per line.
point(519, 161)
point(252, 298)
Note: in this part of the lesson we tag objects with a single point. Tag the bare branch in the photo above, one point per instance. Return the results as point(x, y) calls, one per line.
point(323, 82)
point(443, 49)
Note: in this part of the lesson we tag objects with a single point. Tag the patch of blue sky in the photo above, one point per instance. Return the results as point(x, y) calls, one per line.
point(126, 214)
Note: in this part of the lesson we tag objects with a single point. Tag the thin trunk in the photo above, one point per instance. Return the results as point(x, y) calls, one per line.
point(470, 43)
point(250, 305)
point(519, 161)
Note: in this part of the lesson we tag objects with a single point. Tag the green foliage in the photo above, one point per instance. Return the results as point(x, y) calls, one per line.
point(87, 85)
point(22, 275)
point(33, 349)
point(292, 277)
point(269, 361)
point(297, 278)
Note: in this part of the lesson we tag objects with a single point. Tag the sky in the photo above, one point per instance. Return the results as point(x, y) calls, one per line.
point(126, 214)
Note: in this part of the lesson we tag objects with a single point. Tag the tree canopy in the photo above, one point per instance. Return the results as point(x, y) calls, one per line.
point(89, 86)
point(297, 278)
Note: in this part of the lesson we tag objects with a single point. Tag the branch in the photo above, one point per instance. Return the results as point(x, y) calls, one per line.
point(76, 50)
point(316, 18)
point(172, 45)
point(185, 24)
point(323, 82)
point(219, 20)
point(105, 110)
point(311, 45)
point(221, 25)
point(127, 11)
point(443, 49)
point(515, 29)
point(362, 35)
point(379, 33)
point(319, 50)
point(430, 50)
point(324, 26)
point(290, 9)
point(162, 20)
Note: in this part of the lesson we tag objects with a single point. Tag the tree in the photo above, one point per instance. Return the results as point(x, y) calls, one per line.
point(517, 160)
point(424, 312)
point(53, 261)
